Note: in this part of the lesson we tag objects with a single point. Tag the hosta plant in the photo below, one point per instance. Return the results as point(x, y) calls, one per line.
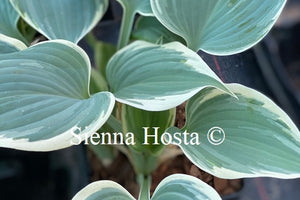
point(51, 98)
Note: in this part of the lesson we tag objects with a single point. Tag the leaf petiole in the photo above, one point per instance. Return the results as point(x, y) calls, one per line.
point(126, 26)
point(145, 183)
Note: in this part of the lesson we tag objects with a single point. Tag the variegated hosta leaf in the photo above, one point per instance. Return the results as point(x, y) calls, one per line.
point(218, 27)
point(44, 98)
point(261, 140)
point(8, 20)
point(158, 77)
point(184, 187)
point(9, 45)
point(176, 186)
point(62, 19)
point(104, 190)
point(142, 7)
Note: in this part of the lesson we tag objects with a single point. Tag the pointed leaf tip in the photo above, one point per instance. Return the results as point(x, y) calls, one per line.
point(158, 77)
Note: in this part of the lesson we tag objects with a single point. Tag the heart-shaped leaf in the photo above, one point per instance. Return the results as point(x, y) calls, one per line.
point(44, 98)
point(158, 77)
point(142, 7)
point(9, 45)
point(218, 27)
point(184, 187)
point(62, 19)
point(8, 20)
point(104, 190)
point(261, 140)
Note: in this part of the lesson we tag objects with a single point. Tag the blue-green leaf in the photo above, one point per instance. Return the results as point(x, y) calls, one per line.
point(177, 186)
point(158, 77)
point(62, 19)
point(44, 98)
point(218, 27)
point(184, 187)
point(104, 190)
point(8, 20)
point(248, 137)
point(9, 45)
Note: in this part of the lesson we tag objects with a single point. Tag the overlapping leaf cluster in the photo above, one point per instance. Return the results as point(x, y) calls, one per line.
point(45, 97)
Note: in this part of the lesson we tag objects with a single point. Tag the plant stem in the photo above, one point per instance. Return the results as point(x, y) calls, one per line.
point(126, 26)
point(143, 163)
point(145, 183)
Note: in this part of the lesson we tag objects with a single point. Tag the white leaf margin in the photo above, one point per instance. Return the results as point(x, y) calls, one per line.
point(63, 140)
point(13, 42)
point(195, 185)
point(98, 186)
point(250, 93)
